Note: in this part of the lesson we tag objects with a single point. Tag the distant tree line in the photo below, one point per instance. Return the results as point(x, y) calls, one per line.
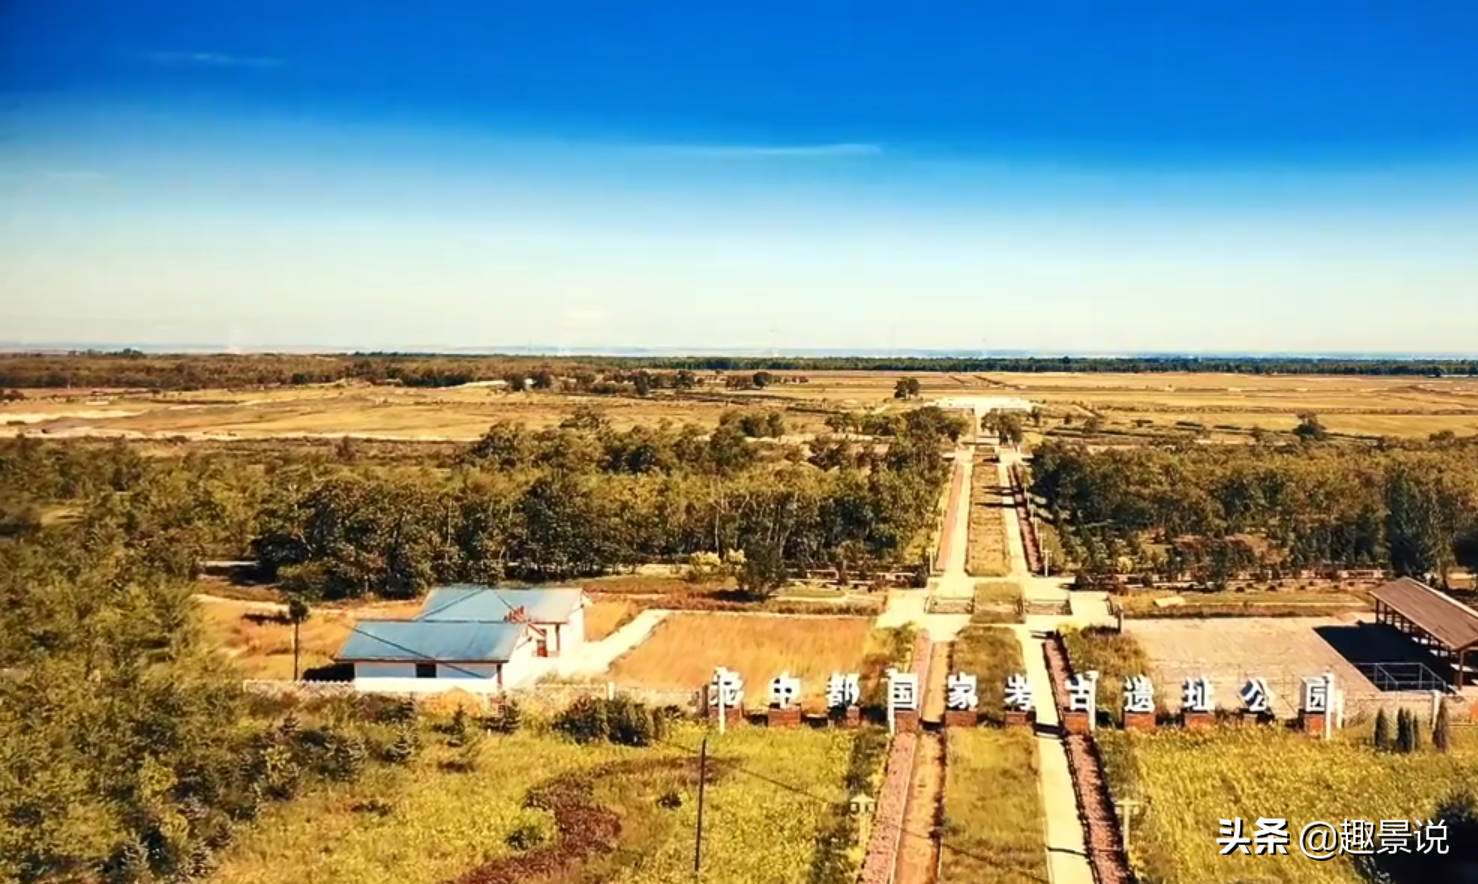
point(134, 369)
point(1225, 509)
point(577, 499)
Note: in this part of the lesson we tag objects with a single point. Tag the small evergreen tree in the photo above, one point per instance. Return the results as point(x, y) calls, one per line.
point(1416, 733)
point(405, 746)
point(1440, 736)
point(1382, 738)
point(1403, 731)
point(507, 719)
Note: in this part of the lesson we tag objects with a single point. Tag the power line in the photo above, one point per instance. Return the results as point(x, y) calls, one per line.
point(795, 790)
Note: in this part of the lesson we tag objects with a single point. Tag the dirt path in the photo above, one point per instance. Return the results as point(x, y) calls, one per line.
point(1100, 824)
point(918, 854)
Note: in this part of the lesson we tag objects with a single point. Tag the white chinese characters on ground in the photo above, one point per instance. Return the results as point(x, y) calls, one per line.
point(903, 691)
point(1139, 695)
point(1196, 695)
point(728, 688)
point(1082, 692)
point(961, 694)
point(1255, 696)
point(784, 690)
point(1018, 693)
point(843, 690)
point(1317, 693)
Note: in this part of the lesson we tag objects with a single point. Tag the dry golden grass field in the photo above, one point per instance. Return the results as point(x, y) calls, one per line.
point(259, 640)
point(987, 555)
point(605, 617)
point(684, 649)
point(1395, 406)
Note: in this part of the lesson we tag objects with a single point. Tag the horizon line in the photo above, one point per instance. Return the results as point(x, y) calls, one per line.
point(14, 348)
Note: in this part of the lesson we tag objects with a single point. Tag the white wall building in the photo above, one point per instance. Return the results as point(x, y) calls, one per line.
point(472, 638)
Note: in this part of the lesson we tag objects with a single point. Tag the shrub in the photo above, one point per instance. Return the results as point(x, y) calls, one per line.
point(405, 746)
point(623, 721)
point(507, 719)
point(1441, 738)
point(388, 710)
point(532, 829)
point(1382, 736)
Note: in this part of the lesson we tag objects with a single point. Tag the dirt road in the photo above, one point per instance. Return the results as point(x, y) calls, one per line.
point(918, 853)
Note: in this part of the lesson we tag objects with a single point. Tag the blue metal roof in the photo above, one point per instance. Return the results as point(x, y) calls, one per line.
point(467, 602)
point(416, 640)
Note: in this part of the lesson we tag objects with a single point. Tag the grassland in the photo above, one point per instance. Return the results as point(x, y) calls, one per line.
point(993, 831)
point(685, 648)
point(605, 617)
point(991, 654)
point(993, 827)
point(1227, 406)
point(1116, 656)
point(987, 554)
point(767, 801)
point(259, 639)
point(1188, 782)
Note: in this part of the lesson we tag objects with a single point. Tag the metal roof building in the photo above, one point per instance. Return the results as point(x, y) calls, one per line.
point(1432, 617)
point(488, 604)
point(442, 641)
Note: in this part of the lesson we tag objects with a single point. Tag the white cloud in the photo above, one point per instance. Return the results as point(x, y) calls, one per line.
point(761, 151)
point(214, 59)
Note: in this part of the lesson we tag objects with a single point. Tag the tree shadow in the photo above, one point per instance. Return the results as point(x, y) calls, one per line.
point(1458, 866)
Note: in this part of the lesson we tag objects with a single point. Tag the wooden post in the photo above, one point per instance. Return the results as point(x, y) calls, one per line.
point(1126, 806)
point(722, 717)
point(702, 778)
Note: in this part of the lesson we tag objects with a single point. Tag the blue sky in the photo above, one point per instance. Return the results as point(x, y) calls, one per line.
point(1165, 176)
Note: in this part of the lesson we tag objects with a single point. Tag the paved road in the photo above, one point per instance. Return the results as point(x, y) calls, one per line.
point(596, 657)
point(1067, 859)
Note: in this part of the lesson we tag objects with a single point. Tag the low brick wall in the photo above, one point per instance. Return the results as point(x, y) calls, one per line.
point(887, 824)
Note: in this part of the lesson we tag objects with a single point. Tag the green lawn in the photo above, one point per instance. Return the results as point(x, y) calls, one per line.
point(770, 796)
point(993, 827)
point(1188, 782)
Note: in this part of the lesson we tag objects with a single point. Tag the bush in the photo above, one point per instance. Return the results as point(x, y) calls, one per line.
point(405, 746)
point(507, 719)
point(1382, 736)
point(532, 829)
point(388, 710)
point(624, 721)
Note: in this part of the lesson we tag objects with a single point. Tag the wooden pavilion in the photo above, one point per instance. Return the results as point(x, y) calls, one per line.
point(1434, 618)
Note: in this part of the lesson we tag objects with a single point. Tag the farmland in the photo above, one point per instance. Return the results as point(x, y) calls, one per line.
point(1225, 407)
point(769, 797)
point(685, 648)
point(1188, 783)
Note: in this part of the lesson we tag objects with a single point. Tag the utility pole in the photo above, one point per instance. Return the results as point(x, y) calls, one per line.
point(702, 778)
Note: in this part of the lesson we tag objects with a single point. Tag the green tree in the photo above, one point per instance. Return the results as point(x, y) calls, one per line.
point(906, 388)
point(297, 614)
point(1382, 736)
point(1310, 428)
point(1441, 735)
point(763, 573)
